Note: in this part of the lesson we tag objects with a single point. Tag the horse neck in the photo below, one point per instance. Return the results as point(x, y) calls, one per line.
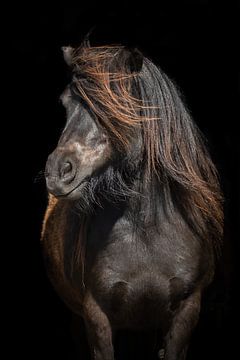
point(150, 201)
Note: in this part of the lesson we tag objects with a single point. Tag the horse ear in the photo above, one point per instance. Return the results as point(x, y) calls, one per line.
point(135, 60)
point(67, 54)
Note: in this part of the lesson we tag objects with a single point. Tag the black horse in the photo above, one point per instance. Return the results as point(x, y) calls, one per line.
point(134, 223)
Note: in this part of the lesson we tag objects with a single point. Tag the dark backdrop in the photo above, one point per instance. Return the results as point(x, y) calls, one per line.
point(194, 42)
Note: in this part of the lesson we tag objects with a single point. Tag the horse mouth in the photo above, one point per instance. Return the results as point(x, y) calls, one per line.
point(73, 193)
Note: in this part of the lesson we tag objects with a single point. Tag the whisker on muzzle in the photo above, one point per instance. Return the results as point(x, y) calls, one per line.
point(39, 177)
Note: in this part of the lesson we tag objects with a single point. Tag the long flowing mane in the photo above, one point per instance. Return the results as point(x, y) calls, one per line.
point(125, 97)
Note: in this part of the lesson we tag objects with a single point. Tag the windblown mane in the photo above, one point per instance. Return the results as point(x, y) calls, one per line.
point(123, 97)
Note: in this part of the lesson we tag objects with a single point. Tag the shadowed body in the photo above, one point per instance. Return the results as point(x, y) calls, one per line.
point(127, 238)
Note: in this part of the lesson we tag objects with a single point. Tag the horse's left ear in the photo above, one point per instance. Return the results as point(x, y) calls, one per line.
point(135, 60)
point(67, 54)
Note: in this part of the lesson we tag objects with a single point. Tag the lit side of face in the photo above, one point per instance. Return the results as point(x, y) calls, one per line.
point(82, 151)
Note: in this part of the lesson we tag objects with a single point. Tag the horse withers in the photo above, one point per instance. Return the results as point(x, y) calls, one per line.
point(134, 222)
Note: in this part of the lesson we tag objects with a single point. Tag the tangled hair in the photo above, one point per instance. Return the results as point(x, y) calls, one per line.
point(127, 91)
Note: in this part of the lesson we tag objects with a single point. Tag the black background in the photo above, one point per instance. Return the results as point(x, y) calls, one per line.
point(195, 44)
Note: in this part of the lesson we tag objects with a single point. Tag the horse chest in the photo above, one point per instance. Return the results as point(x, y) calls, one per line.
point(136, 278)
point(129, 280)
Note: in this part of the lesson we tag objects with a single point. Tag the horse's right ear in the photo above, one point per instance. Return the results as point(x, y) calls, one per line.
point(67, 54)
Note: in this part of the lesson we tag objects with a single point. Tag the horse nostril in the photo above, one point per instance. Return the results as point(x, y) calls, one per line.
point(66, 169)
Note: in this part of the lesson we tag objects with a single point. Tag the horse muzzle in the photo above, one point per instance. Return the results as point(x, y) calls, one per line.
point(60, 174)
